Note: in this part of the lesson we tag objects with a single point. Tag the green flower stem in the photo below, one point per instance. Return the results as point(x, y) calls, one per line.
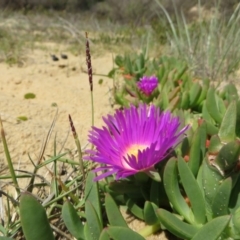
point(9, 160)
point(80, 155)
point(149, 230)
point(92, 105)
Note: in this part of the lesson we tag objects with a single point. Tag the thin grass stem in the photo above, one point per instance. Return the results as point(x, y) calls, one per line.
point(55, 167)
point(9, 160)
point(31, 182)
point(92, 110)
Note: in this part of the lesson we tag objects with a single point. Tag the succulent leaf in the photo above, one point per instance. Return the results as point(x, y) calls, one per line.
point(206, 115)
point(150, 213)
point(179, 74)
point(236, 220)
point(115, 217)
point(204, 91)
point(119, 233)
point(157, 194)
point(135, 209)
point(94, 227)
point(227, 157)
point(212, 107)
point(92, 195)
point(185, 103)
point(221, 199)
point(198, 148)
point(173, 103)
point(227, 131)
point(173, 192)
point(211, 129)
point(72, 221)
point(104, 235)
point(164, 100)
point(34, 219)
point(194, 93)
point(175, 225)
point(193, 191)
point(234, 203)
point(215, 145)
point(213, 229)
point(87, 232)
point(211, 180)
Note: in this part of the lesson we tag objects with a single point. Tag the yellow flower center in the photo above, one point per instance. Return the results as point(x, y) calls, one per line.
point(133, 150)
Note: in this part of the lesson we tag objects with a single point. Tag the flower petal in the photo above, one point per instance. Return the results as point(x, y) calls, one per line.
point(134, 140)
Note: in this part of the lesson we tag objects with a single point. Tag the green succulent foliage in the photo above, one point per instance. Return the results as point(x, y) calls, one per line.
point(193, 191)
point(134, 208)
point(72, 221)
point(213, 105)
point(34, 219)
point(235, 224)
point(119, 233)
point(118, 228)
point(227, 158)
point(227, 130)
point(213, 229)
point(200, 190)
point(197, 148)
point(92, 195)
point(134, 65)
point(172, 75)
point(149, 212)
point(205, 200)
point(221, 199)
point(93, 227)
point(173, 191)
point(177, 89)
point(113, 213)
point(175, 225)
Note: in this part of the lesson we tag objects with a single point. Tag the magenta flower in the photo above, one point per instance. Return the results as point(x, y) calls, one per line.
point(147, 84)
point(134, 140)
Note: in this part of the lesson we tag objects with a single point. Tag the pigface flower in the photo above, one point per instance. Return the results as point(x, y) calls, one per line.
point(133, 140)
point(147, 84)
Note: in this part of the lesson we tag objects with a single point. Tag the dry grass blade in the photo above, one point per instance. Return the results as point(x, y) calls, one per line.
point(78, 145)
point(57, 230)
point(31, 182)
point(14, 202)
point(210, 45)
point(73, 30)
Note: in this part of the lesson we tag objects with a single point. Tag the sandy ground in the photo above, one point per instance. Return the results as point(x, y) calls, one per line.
point(52, 83)
point(63, 82)
point(68, 87)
